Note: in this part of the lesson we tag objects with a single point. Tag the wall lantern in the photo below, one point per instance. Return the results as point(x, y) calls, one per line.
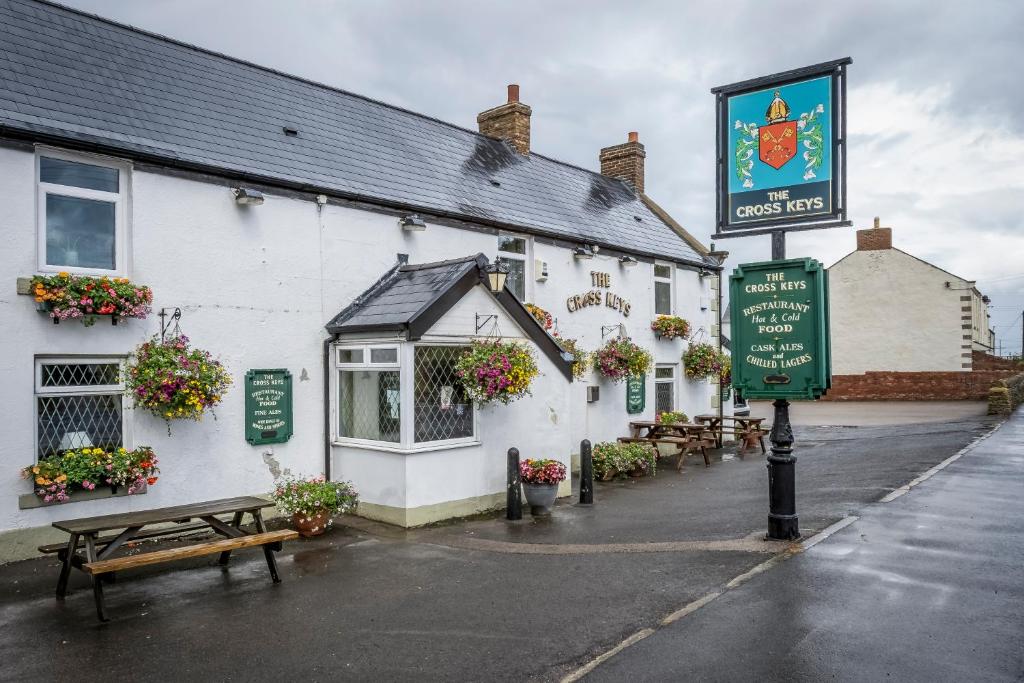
point(247, 197)
point(582, 253)
point(628, 261)
point(703, 273)
point(497, 272)
point(412, 223)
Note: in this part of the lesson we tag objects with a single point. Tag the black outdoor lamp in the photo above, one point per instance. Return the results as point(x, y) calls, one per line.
point(497, 272)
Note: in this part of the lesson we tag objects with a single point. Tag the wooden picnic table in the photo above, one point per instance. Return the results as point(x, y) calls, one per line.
point(746, 427)
point(130, 526)
point(685, 435)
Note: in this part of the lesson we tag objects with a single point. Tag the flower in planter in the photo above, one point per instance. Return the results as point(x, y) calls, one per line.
point(541, 471)
point(87, 468)
point(670, 327)
point(174, 381)
point(611, 459)
point(84, 297)
point(621, 358)
point(701, 361)
point(542, 316)
point(314, 496)
point(580, 358)
point(672, 417)
point(494, 370)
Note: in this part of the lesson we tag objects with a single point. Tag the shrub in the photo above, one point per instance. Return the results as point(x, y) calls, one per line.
point(611, 459)
point(493, 370)
point(621, 358)
point(670, 327)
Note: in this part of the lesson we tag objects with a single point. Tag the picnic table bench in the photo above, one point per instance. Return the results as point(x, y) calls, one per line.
point(686, 436)
point(748, 430)
point(97, 560)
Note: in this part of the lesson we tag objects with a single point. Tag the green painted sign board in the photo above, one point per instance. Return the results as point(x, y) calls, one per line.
point(780, 329)
point(636, 394)
point(268, 406)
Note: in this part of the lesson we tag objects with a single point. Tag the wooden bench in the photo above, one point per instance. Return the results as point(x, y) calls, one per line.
point(685, 444)
point(62, 548)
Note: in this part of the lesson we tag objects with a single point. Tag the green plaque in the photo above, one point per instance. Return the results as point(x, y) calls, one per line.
point(780, 329)
point(268, 406)
point(636, 394)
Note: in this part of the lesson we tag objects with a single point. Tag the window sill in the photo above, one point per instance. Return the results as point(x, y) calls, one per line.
point(29, 501)
point(398, 450)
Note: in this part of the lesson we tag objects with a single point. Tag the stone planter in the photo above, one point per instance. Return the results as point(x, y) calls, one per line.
point(311, 525)
point(540, 498)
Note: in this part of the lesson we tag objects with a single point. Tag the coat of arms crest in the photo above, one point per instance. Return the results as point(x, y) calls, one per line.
point(778, 140)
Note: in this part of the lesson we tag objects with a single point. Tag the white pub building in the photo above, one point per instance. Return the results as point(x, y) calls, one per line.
point(303, 228)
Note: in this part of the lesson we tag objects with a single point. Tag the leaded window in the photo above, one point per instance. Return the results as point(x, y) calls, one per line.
point(664, 389)
point(443, 411)
point(79, 404)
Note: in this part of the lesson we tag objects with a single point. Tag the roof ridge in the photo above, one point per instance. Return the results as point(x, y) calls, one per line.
point(301, 79)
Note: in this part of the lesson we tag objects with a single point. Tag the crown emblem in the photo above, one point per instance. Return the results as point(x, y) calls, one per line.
point(778, 110)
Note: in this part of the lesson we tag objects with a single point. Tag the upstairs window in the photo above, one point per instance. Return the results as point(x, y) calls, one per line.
point(514, 252)
point(662, 289)
point(82, 211)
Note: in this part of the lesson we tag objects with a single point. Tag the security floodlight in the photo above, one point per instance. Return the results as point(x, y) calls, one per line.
point(247, 197)
point(582, 253)
point(412, 223)
point(628, 261)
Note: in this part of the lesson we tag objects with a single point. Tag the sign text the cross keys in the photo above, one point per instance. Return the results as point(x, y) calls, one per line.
point(268, 406)
point(780, 329)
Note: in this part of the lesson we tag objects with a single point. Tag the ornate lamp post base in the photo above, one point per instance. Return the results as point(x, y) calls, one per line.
point(783, 523)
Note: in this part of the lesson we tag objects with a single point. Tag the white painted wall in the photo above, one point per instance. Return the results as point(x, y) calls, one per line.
point(256, 286)
point(891, 311)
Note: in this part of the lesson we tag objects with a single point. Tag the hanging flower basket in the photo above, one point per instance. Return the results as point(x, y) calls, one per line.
point(670, 327)
point(542, 316)
point(621, 358)
point(57, 477)
point(580, 358)
point(702, 361)
point(494, 370)
point(175, 381)
point(68, 297)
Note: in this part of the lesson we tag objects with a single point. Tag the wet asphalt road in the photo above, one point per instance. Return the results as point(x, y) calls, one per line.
point(927, 587)
point(424, 606)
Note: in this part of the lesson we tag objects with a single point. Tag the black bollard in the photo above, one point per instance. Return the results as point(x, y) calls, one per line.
point(783, 523)
point(586, 474)
point(514, 495)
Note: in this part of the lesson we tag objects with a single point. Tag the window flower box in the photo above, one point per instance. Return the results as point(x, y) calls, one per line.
point(66, 476)
point(670, 327)
point(69, 297)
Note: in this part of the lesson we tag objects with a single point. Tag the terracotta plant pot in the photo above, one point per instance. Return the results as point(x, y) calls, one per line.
point(310, 525)
point(540, 497)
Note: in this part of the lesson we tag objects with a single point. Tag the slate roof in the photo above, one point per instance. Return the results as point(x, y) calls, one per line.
point(71, 77)
point(411, 298)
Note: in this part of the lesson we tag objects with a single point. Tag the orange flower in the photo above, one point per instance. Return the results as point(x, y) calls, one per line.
point(63, 274)
point(151, 480)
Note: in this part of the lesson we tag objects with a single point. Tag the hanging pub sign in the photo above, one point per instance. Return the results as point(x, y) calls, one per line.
point(268, 406)
point(781, 159)
point(780, 328)
point(636, 394)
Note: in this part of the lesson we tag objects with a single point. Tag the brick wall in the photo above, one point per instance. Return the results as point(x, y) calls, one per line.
point(924, 386)
point(873, 239)
point(625, 161)
point(510, 121)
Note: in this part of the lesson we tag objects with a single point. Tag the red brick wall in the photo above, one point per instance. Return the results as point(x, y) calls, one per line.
point(924, 386)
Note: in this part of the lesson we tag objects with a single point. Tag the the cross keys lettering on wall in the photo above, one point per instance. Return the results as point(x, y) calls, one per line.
point(596, 297)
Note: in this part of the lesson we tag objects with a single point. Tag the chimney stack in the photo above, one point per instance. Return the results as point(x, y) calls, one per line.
point(874, 239)
point(510, 121)
point(625, 161)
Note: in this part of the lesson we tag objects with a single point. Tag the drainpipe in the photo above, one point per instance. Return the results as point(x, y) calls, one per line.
point(327, 404)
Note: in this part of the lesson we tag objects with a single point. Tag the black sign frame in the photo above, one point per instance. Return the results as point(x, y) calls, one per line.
point(835, 69)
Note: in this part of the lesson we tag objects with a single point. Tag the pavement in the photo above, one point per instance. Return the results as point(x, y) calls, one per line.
point(480, 599)
point(928, 586)
point(873, 413)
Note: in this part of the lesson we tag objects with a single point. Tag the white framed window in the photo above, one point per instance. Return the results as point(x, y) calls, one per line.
point(401, 396)
point(82, 213)
point(663, 289)
point(514, 253)
point(664, 388)
point(79, 404)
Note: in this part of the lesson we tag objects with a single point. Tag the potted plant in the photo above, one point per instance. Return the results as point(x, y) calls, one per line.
point(65, 296)
point(542, 316)
point(495, 370)
point(621, 358)
point(57, 477)
point(642, 459)
point(540, 484)
point(670, 327)
point(672, 417)
point(174, 381)
point(612, 460)
point(314, 502)
point(701, 361)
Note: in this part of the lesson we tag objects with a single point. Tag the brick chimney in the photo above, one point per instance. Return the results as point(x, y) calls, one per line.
point(625, 161)
point(510, 121)
point(875, 238)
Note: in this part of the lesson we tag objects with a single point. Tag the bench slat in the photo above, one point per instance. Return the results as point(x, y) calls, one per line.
point(194, 550)
point(147, 533)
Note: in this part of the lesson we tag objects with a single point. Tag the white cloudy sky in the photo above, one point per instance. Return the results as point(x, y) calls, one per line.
point(936, 110)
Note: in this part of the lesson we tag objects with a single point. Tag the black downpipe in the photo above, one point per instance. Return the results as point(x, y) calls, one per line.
point(327, 405)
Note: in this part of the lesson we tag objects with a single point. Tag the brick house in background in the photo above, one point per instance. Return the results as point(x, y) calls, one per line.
point(903, 328)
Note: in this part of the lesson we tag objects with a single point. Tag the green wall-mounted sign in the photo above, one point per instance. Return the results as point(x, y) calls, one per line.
point(780, 329)
point(268, 406)
point(636, 394)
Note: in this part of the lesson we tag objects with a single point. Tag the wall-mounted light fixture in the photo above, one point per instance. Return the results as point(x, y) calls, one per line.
point(582, 253)
point(627, 261)
point(497, 272)
point(247, 197)
point(703, 273)
point(412, 223)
